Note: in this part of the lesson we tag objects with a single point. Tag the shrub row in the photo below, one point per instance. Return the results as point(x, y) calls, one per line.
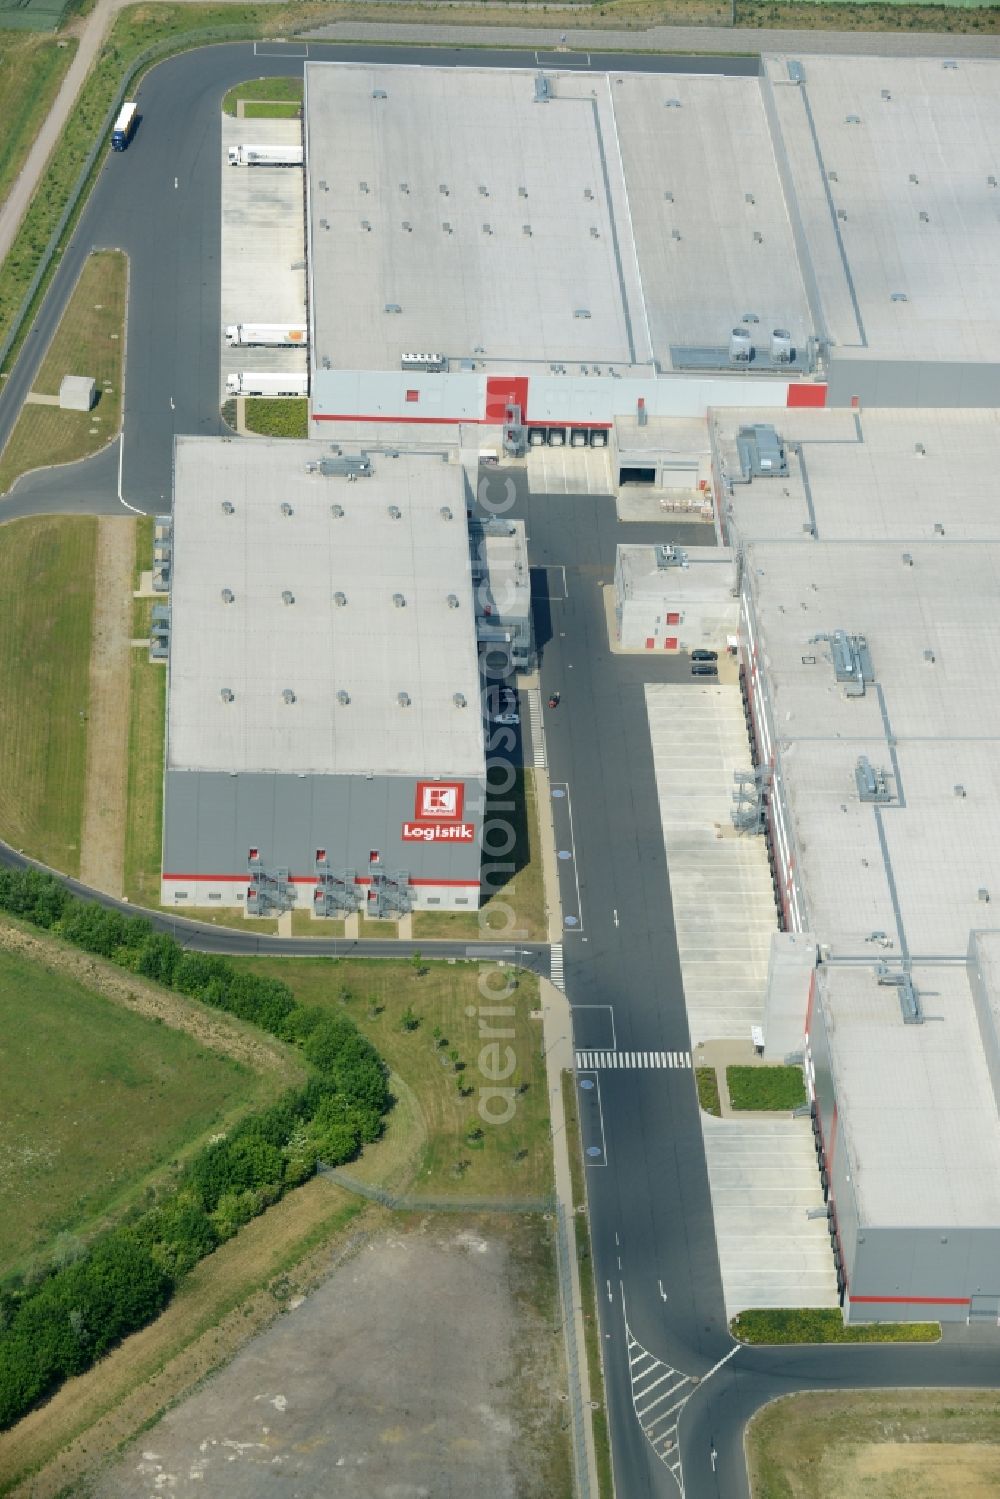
point(59, 1326)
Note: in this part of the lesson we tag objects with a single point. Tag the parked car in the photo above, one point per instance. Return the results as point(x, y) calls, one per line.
point(704, 669)
point(507, 718)
point(704, 655)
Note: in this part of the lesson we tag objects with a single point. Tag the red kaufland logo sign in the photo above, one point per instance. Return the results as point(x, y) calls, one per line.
point(438, 815)
point(439, 801)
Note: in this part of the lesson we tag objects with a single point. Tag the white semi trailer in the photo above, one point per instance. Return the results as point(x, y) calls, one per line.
point(266, 335)
point(252, 383)
point(265, 156)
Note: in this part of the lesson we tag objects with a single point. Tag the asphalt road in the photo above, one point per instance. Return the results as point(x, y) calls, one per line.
point(650, 1206)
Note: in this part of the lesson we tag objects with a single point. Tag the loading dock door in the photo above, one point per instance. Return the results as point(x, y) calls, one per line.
point(984, 1309)
point(632, 475)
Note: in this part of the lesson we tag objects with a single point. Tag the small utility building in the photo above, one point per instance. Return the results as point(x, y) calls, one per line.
point(324, 731)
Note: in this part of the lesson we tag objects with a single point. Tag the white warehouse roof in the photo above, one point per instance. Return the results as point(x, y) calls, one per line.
point(285, 556)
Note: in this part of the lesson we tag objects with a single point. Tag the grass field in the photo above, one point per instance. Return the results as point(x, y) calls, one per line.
point(765, 1087)
point(44, 683)
point(95, 1098)
point(512, 1159)
point(31, 69)
point(877, 1444)
point(824, 1325)
point(286, 416)
point(272, 90)
point(515, 904)
point(89, 341)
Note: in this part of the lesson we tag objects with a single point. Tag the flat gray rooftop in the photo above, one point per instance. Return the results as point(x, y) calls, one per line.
point(917, 1107)
point(875, 166)
point(260, 644)
point(491, 219)
point(906, 553)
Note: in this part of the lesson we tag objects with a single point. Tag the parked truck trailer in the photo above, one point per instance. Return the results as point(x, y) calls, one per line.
point(265, 156)
point(266, 335)
point(261, 383)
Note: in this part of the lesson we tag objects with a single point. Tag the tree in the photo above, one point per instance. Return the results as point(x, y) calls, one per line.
point(409, 1020)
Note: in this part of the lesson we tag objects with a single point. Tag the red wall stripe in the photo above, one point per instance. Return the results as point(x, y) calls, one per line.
point(912, 1300)
point(806, 395)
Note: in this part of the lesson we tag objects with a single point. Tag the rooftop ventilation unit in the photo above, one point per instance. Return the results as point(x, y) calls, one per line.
point(342, 466)
point(343, 698)
point(740, 346)
point(852, 120)
point(337, 511)
point(749, 198)
point(673, 104)
point(379, 93)
point(898, 296)
point(852, 662)
point(228, 596)
point(393, 307)
point(445, 512)
point(366, 226)
point(459, 699)
point(581, 312)
point(909, 999)
point(228, 508)
point(364, 187)
point(781, 346)
point(670, 556)
point(286, 509)
point(395, 513)
point(287, 596)
point(762, 452)
point(340, 599)
point(484, 191)
point(227, 694)
point(443, 189)
point(403, 699)
point(796, 72)
point(288, 696)
point(453, 601)
point(543, 89)
point(404, 187)
point(522, 192)
point(526, 229)
point(873, 785)
point(668, 197)
point(399, 601)
point(588, 193)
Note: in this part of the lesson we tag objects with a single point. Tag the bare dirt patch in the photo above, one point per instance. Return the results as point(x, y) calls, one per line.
point(402, 1373)
point(943, 1471)
point(102, 852)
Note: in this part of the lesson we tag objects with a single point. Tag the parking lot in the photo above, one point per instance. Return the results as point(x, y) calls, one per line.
point(263, 245)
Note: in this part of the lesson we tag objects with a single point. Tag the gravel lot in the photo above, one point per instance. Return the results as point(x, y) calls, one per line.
point(403, 1375)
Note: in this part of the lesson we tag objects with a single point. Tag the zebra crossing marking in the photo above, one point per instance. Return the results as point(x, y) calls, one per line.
point(592, 1061)
point(534, 697)
point(556, 966)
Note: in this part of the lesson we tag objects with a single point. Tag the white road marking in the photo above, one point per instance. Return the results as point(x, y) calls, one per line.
point(591, 1061)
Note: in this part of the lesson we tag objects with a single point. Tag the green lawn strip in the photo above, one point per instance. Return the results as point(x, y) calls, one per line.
point(272, 111)
point(588, 1289)
point(707, 1080)
point(305, 924)
point(824, 1325)
point(45, 632)
point(96, 1098)
point(765, 1088)
point(144, 810)
point(286, 416)
point(272, 90)
point(222, 916)
point(512, 1159)
point(31, 70)
point(513, 889)
point(88, 341)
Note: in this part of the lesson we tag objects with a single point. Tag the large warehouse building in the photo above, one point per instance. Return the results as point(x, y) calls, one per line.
point(324, 730)
point(869, 574)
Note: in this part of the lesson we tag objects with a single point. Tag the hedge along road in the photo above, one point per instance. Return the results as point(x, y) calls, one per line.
point(172, 235)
